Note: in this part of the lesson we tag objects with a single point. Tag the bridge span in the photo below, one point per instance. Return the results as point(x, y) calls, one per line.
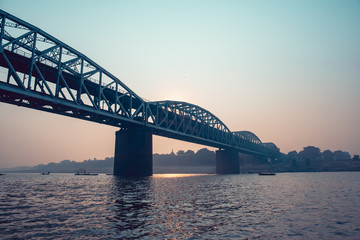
point(40, 72)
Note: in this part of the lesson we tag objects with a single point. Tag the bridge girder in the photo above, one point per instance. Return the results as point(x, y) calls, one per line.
point(41, 72)
point(40, 64)
point(188, 119)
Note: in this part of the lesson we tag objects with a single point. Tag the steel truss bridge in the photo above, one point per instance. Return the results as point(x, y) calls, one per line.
point(38, 71)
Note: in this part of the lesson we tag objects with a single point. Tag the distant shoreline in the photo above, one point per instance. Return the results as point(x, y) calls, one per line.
point(204, 161)
point(204, 170)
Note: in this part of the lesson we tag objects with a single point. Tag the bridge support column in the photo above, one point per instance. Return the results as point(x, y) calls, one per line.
point(133, 152)
point(227, 162)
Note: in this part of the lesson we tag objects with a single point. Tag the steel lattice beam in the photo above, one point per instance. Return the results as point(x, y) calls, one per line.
point(43, 73)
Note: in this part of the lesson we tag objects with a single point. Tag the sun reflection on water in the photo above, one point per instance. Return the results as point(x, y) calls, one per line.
point(178, 175)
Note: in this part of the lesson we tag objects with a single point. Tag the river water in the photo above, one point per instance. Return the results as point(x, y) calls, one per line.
point(181, 206)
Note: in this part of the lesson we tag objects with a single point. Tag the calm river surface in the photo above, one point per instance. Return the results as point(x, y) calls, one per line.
point(170, 206)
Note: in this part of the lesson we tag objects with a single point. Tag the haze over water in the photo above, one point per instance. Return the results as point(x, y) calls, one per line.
point(287, 71)
point(170, 206)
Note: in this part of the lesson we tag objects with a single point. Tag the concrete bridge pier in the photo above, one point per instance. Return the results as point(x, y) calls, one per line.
point(227, 162)
point(133, 152)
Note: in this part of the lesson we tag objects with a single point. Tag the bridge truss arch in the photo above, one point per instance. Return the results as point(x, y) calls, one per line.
point(187, 119)
point(39, 71)
point(248, 140)
point(249, 136)
point(41, 67)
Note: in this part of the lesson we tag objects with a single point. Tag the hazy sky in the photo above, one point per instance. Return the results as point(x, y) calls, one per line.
point(288, 71)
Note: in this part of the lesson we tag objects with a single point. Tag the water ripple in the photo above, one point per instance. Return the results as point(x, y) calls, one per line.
point(289, 205)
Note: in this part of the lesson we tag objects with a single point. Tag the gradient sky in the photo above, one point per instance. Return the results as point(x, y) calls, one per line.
point(288, 71)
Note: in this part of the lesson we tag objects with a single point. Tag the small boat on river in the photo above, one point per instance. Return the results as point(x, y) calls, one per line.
point(82, 171)
point(87, 174)
point(45, 173)
point(267, 173)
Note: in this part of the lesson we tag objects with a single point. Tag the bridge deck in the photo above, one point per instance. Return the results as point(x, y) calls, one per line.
point(45, 74)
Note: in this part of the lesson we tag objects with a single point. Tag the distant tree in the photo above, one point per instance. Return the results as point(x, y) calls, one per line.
point(293, 156)
point(204, 151)
point(273, 150)
point(180, 153)
point(65, 162)
point(347, 155)
point(190, 153)
point(356, 158)
point(310, 153)
point(328, 155)
point(340, 155)
point(205, 156)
